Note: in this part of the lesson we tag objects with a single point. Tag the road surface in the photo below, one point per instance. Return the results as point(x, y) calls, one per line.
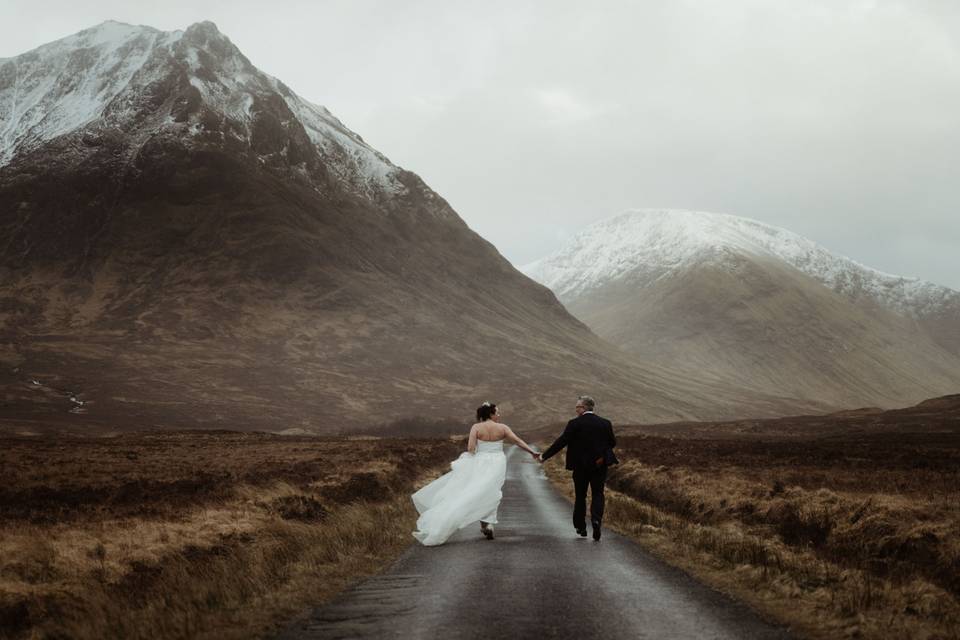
point(537, 579)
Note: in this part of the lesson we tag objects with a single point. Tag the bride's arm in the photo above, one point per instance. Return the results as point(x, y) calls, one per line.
point(515, 439)
point(472, 440)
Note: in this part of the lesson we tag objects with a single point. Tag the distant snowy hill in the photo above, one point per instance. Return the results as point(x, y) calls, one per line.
point(652, 241)
point(697, 287)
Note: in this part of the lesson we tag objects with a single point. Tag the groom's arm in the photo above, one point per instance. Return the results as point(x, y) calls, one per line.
point(559, 443)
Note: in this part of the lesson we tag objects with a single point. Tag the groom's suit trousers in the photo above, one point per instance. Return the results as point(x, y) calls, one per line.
point(595, 479)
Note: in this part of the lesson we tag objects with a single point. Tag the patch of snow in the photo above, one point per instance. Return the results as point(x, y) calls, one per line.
point(351, 155)
point(231, 89)
point(62, 86)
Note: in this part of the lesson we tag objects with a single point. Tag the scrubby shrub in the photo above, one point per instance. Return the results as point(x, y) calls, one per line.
point(800, 526)
point(369, 487)
point(299, 507)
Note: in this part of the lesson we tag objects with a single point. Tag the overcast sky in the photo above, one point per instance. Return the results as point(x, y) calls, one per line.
point(837, 119)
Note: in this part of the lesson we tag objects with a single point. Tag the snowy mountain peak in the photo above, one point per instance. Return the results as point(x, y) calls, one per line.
point(649, 243)
point(116, 76)
point(109, 33)
point(205, 29)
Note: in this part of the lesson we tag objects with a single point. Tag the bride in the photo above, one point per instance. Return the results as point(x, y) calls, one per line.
point(471, 490)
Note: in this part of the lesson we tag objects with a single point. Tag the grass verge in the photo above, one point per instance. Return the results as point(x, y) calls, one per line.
point(287, 525)
point(862, 563)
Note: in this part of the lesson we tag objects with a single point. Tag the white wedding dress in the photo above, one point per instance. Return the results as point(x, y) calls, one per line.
point(471, 491)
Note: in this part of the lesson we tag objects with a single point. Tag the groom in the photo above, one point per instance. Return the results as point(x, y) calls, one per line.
point(587, 438)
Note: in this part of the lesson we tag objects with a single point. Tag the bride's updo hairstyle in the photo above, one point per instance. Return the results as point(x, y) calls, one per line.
point(486, 410)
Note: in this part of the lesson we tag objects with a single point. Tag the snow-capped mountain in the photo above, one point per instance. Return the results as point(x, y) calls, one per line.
point(655, 241)
point(758, 304)
point(111, 77)
point(185, 241)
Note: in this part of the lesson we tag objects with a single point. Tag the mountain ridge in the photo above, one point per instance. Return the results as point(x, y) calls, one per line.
point(700, 230)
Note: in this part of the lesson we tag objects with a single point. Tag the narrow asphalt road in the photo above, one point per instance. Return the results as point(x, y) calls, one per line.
point(537, 579)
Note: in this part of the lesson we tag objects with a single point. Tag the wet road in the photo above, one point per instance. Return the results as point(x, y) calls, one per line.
point(538, 579)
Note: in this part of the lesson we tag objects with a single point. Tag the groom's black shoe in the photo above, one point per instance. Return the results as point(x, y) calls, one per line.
point(596, 529)
point(582, 532)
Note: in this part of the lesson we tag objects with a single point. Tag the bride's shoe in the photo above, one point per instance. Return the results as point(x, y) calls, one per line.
point(487, 530)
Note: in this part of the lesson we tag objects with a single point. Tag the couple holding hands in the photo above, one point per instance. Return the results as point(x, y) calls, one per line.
point(472, 490)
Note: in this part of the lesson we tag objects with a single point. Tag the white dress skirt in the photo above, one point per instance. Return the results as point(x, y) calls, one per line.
point(469, 492)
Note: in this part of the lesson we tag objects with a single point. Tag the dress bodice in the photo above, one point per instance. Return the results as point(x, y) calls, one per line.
point(484, 446)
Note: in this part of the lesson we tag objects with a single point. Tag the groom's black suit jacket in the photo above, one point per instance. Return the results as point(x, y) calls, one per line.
point(586, 438)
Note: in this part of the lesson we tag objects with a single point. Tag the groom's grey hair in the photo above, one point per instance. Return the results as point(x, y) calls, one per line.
point(587, 402)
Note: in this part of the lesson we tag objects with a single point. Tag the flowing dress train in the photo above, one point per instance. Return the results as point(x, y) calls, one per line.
point(470, 491)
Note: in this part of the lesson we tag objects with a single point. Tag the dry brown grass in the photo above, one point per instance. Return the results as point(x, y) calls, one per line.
point(195, 534)
point(855, 536)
